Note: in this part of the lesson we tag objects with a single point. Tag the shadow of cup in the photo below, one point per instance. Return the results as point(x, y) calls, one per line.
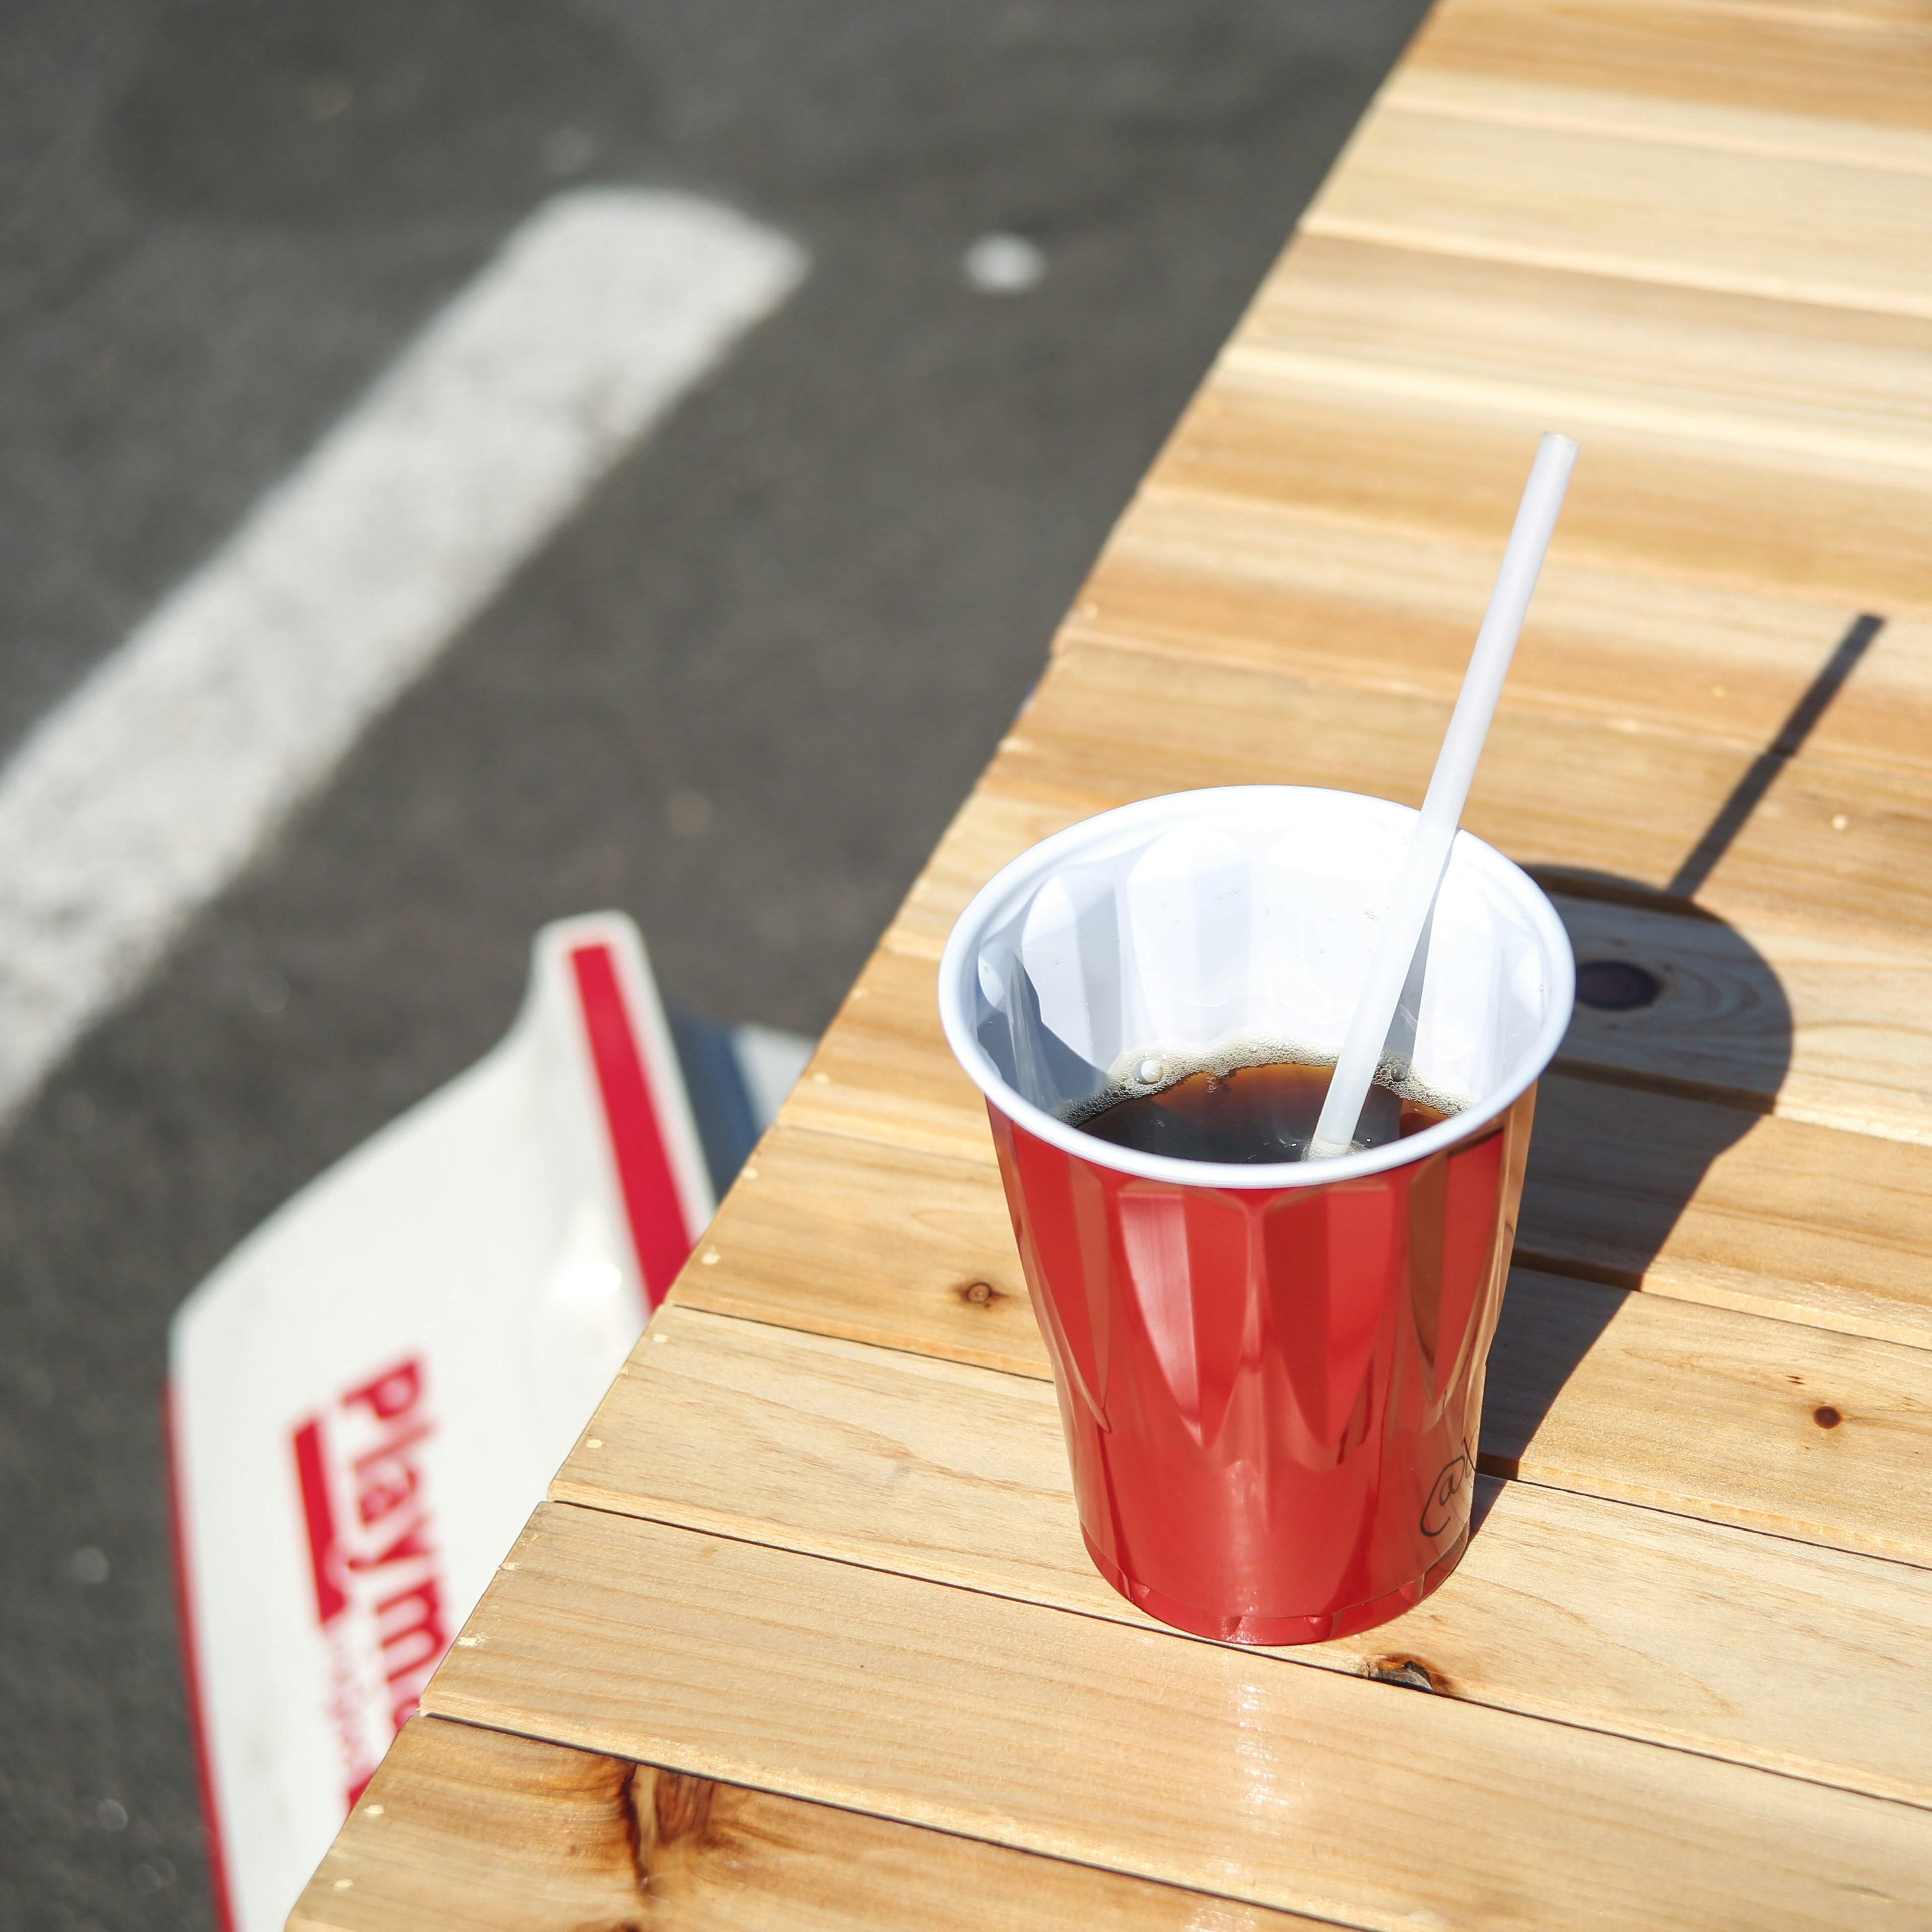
point(1681, 1040)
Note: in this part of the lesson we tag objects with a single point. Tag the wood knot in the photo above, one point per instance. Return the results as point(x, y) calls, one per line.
point(979, 1293)
point(681, 1807)
point(1826, 1417)
point(1411, 1673)
point(1615, 985)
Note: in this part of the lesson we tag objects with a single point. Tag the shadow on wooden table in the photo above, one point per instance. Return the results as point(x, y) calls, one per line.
point(1680, 1042)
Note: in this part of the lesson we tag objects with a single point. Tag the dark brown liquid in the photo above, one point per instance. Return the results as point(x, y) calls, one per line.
point(1251, 1114)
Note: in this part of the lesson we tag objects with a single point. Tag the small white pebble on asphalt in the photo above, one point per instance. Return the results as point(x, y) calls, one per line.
point(1839, 822)
point(1004, 265)
point(89, 1566)
point(1147, 1073)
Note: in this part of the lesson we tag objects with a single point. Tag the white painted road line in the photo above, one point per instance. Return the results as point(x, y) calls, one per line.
point(137, 799)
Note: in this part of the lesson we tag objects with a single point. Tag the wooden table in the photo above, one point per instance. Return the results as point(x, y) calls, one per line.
point(805, 1636)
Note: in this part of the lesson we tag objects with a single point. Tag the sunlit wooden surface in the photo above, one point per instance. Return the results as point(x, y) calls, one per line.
point(805, 1635)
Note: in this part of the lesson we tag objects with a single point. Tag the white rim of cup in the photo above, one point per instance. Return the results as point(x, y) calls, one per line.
point(959, 974)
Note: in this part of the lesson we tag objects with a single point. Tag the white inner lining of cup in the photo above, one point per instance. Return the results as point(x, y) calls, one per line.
point(1228, 926)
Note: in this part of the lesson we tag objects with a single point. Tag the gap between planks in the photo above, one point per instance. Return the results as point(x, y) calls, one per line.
point(1799, 1430)
point(1567, 109)
point(1021, 1724)
point(1705, 1202)
point(500, 1833)
point(1832, 848)
point(1282, 589)
point(1833, 233)
point(1859, 80)
point(1613, 264)
point(1586, 1611)
point(1822, 1028)
point(1673, 502)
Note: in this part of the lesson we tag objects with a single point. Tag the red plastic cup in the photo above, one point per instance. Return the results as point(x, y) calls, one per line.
point(1270, 1377)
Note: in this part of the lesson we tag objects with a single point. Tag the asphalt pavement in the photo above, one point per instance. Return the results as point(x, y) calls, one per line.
point(738, 695)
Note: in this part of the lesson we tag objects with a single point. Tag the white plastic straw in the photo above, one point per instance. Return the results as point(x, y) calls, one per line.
point(1420, 878)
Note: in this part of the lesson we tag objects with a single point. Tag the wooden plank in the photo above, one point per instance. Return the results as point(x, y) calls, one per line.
point(852, 1237)
point(1843, 234)
point(1562, 106)
point(1733, 1418)
point(1580, 1373)
point(1447, 455)
point(1280, 588)
point(1867, 69)
point(1711, 1203)
point(462, 1826)
point(1832, 847)
point(884, 1072)
point(1813, 1026)
point(1825, 1031)
point(1143, 1752)
point(1620, 1619)
point(497, 1833)
point(1777, 381)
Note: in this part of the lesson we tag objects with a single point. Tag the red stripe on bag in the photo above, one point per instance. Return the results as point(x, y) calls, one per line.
point(197, 1720)
point(651, 1200)
point(320, 1515)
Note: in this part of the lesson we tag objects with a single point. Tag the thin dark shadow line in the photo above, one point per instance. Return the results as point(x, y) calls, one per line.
point(1751, 788)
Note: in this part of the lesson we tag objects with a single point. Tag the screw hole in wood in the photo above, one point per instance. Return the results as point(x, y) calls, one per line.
point(1615, 985)
point(1408, 1673)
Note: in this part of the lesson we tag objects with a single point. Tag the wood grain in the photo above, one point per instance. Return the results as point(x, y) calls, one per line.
point(1784, 381)
point(1812, 1028)
point(1446, 457)
point(1618, 1618)
point(1706, 1202)
point(1828, 231)
point(1861, 70)
point(871, 1242)
point(497, 1833)
point(1284, 588)
point(1662, 118)
point(1731, 1417)
point(1580, 1375)
point(1833, 846)
point(1711, 1204)
point(1817, 1027)
point(1145, 1753)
